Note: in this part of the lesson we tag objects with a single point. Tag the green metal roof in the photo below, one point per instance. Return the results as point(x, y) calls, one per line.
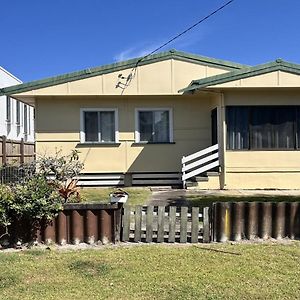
point(172, 54)
point(277, 65)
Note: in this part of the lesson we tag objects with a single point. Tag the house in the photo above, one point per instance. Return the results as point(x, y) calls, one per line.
point(16, 118)
point(174, 117)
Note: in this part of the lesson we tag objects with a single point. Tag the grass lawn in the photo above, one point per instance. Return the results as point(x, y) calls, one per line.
point(207, 200)
point(137, 196)
point(217, 271)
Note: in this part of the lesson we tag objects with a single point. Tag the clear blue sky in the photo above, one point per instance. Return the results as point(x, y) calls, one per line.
point(46, 38)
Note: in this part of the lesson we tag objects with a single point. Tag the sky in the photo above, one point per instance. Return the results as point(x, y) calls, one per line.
point(46, 38)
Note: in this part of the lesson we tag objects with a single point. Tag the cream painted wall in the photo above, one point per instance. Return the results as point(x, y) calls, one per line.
point(58, 128)
point(262, 169)
point(160, 78)
point(272, 79)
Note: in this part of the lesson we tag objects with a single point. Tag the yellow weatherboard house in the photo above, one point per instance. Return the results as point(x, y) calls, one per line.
point(174, 118)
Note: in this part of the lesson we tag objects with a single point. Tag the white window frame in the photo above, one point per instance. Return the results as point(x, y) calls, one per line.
point(137, 129)
point(82, 133)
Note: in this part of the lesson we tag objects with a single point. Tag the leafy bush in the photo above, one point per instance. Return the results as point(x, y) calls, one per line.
point(35, 200)
point(46, 184)
point(26, 205)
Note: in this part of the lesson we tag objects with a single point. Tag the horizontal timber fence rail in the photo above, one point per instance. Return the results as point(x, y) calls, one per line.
point(165, 224)
point(76, 223)
point(235, 221)
point(16, 152)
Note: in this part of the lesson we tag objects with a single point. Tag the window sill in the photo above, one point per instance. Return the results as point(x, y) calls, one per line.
point(104, 144)
point(150, 143)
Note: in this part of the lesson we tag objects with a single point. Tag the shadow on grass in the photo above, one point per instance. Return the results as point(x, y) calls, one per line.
point(90, 268)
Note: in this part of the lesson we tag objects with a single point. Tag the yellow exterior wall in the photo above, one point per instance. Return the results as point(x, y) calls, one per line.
point(160, 78)
point(58, 128)
point(262, 169)
point(272, 79)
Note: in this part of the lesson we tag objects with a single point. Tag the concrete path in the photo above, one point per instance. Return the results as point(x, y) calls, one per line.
point(179, 197)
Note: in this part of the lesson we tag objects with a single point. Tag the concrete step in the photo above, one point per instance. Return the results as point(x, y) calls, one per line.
point(191, 184)
point(201, 178)
point(211, 174)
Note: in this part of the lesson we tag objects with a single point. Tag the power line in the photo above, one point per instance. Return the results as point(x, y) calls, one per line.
point(129, 78)
point(185, 31)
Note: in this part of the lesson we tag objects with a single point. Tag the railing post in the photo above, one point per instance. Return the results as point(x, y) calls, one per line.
point(183, 173)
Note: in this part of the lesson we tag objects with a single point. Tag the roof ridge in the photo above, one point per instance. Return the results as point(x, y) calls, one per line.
point(118, 66)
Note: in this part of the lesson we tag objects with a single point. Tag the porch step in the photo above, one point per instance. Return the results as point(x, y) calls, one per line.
point(201, 178)
point(190, 184)
point(209, 182)
point(213, 173)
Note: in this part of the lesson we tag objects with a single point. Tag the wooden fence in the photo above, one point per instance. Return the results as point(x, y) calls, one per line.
point(166, 224)
point(16, 152)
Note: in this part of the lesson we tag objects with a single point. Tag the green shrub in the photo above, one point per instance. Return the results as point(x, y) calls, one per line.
point(26, 206)
point(35, 200)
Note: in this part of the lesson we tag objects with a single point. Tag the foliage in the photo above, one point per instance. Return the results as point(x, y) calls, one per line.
point(45, 185)
point(28, 203)
point(59, 167)
point(69, 190)
point(6, 201)
point(35, 200)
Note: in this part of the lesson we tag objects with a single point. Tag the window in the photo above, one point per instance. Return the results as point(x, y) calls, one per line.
point(262, 127)
point(18, 112)
point(153, 126)
point(99, 126)
point(8, 109)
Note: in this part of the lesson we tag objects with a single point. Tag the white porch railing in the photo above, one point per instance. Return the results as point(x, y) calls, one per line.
point(200, 162)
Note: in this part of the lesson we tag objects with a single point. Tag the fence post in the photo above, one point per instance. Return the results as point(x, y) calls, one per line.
point(206, 229)
point(4, 150)
point(22, 151)
point(126, 223)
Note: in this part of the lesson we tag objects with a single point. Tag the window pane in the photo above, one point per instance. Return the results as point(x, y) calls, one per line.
point(161, 127)
point(237, 118)
point(146, 126)
point(107, 126)
point(91, 126)
point(273, 128)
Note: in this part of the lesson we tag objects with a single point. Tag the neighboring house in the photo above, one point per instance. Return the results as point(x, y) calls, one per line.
point(16, 118)
point(133, 121)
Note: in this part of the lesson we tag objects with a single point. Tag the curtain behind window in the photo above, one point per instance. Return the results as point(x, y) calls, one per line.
point(272, 128)
point(237, 127)
point(91, 126)
point(107, 126)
